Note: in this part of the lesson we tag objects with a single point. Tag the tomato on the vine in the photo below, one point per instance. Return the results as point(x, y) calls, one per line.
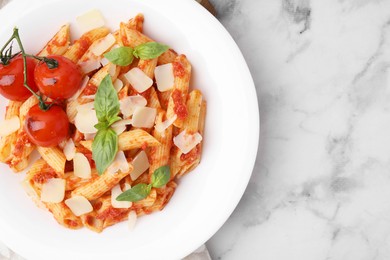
point(61, 82)
point(46, 128)
point(12, 79)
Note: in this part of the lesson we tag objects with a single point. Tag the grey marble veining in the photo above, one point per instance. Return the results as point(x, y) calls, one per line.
point(321, 184)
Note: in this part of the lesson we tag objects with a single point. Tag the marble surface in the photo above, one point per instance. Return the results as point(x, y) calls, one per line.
point(320, 189)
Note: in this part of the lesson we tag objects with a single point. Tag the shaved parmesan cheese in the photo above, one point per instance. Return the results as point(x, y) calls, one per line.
point(85, 121)
point(9, 126)
point(90, 20)
point(81, 166)
point(89, 136)
point(127, 186)
point(90, 65)
point(79, 205)
point(144, 117)
point(164, 125)
point(53, 190)
point(120, 126)
point(81, 89)
point(115, 192)
point(186, 142)
point(118, 85)
point(111, 69)
point(129, 104)
point(85, 107)
point(139, 80)
point(104, 61)
point(103, 45)
point(119, 129)
point(119, 164)
point(132, 219)
point(89, 97)
point(69, 149)
point(164, 77)
point(140, 165)
point(122, 122)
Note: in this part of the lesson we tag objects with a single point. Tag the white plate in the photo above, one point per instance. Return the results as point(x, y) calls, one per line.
point(206, 197)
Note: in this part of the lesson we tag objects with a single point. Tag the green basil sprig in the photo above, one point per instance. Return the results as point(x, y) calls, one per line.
point(121, 56)
point(124, 56)
point(140, 191)
point(105, 143)
point(149, 50)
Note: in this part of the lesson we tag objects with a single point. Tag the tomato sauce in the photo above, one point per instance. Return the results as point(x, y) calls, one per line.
point(22, 141)
point(180, 107)
point(43, 177)
point(178, 69)
point(84, 43)
point(191, 156)
point(90, 89)
point(113, 214)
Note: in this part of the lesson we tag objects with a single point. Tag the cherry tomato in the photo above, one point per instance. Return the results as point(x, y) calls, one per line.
point(61, 82)
point(12, 79)
point(46, 128)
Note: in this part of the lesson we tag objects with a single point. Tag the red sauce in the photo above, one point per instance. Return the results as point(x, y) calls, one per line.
point(178, 69)
point(90, 89)
point(59, 41)
point(144, 146)
point(113, 214)
point(98, 205)
point(84, 43)
point(191, 156)
point(43, 177)
point(72, 223)
point(22, 141)
point(90, 220)
point(180, 107)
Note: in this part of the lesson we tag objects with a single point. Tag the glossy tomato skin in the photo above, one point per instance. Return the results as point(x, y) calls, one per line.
point(61, 82)
point(46, 128)
point(12, 79)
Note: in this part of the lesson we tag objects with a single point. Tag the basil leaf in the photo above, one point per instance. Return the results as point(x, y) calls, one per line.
point(136, 193)
point(113, 120)
point(101, 125)
point(104, 149)
point(149, 50)
point(121, 56)
point(106, 101)
point(161, 176)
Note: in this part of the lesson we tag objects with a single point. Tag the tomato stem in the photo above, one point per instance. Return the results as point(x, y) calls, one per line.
point(50, 62)
point(15, 35)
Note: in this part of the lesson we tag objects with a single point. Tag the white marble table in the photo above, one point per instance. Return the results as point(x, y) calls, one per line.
point(320, 189)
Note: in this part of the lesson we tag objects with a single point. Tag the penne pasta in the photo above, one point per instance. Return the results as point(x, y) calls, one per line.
point(159, 155)
point(7, 142)
point(99, 185)
point(58, 44)
point(54, 157)
point(177, 99)
point(64, 215)
point(77, 50)
point(136, 139)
